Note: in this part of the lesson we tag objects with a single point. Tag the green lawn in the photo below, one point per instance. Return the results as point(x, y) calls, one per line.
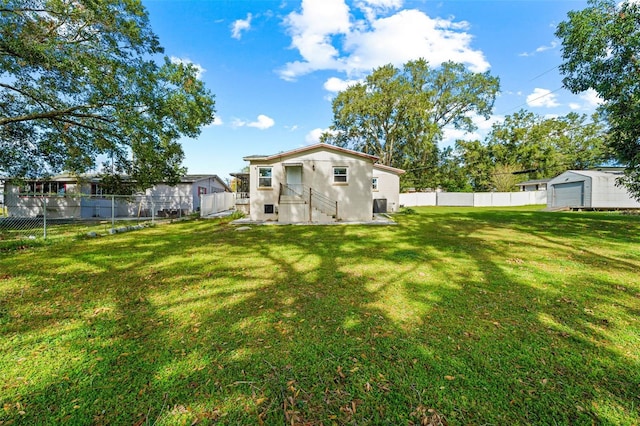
point(455, 316)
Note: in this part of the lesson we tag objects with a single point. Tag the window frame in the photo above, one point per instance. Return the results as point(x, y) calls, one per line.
point(42, 188)
point(344, 175)
point(374, 184)
point(261, 178)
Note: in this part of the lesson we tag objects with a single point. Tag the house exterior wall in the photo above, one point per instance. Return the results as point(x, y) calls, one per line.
point(355, 202)
point(185, 195)
point(57, 206)
point(388, 188)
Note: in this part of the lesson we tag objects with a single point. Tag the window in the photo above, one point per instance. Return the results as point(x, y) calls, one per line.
point(339, 175)
point(374, 183)
point(202, 190)
point(268, 209)
point(97, 190)
point(44, 188)
point(264, 177)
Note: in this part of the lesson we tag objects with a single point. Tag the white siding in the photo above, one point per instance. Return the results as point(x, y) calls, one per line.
point(388, 188)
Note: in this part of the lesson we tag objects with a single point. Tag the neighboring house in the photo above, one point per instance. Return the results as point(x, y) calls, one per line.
point(534, 185)
point(588, 189)
point(319, 183)
point(186, 194)
point(70, 196)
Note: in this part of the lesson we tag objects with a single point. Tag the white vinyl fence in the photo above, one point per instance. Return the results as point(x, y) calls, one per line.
point(473, 199)
point(216, 203)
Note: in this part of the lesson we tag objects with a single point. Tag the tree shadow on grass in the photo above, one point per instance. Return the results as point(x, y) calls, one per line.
point(315, 325)
point(571, 361)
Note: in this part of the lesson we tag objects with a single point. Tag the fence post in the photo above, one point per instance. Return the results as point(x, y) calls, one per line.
point(113, 211)
point(153, 210)
point(180, 207)
point(44, 216)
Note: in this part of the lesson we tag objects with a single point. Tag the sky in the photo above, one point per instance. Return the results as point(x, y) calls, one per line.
point(275, 66)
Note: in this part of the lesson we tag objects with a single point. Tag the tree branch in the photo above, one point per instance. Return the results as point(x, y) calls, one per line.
point(54, 115)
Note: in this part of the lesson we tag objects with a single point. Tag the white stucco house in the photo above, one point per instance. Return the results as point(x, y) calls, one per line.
point(589, 189)
point(320, 183)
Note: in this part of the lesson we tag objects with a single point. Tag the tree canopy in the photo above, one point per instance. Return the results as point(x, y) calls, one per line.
point(399, 115)
point(601, 51)
point(533, 147)
point(79, 79)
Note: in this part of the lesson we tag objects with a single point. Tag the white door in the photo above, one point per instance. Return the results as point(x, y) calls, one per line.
point(293, 175)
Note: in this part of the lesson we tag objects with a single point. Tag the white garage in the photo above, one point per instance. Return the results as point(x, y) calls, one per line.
point(588, 189)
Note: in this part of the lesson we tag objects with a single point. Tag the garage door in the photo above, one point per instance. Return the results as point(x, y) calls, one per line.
point(569, 194)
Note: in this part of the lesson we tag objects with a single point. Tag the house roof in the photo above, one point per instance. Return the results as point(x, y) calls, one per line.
point(595, 173)
point(533, 182)
point(196, 178)
point(587, 173)
point(389, 169)
point(310, 148)
point(90, 177)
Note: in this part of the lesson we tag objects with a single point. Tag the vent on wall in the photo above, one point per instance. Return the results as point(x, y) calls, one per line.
point(268, 209)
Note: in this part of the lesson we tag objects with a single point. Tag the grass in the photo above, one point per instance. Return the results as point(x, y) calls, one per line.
point(455, 316)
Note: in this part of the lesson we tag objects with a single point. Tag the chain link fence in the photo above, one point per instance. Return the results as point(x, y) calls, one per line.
point(46, 216)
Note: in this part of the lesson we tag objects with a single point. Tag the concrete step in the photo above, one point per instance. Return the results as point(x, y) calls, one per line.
point(320, 217)
point(291, 199)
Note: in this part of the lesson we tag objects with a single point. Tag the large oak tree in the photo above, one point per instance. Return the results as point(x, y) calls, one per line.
point(81, 79)
point(399, 115)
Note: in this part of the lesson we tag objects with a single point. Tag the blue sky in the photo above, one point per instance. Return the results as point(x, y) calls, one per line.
point(274, 66)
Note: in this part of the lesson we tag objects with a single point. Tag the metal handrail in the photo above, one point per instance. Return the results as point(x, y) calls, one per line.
point(314, 198)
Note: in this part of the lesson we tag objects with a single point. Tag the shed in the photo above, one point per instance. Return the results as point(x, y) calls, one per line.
point(589, 189)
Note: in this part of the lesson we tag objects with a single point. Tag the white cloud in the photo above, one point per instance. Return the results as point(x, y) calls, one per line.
point(541, 49)
point(591, 98)
point(262, 123)
point(328, 37)
point(199, 69)
point(239, 26)
point(586, 101)
point(371, 8)
point(542, 98)
point(335, 84)
point(314, 135)
point(217, 121)
point(383, 4)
